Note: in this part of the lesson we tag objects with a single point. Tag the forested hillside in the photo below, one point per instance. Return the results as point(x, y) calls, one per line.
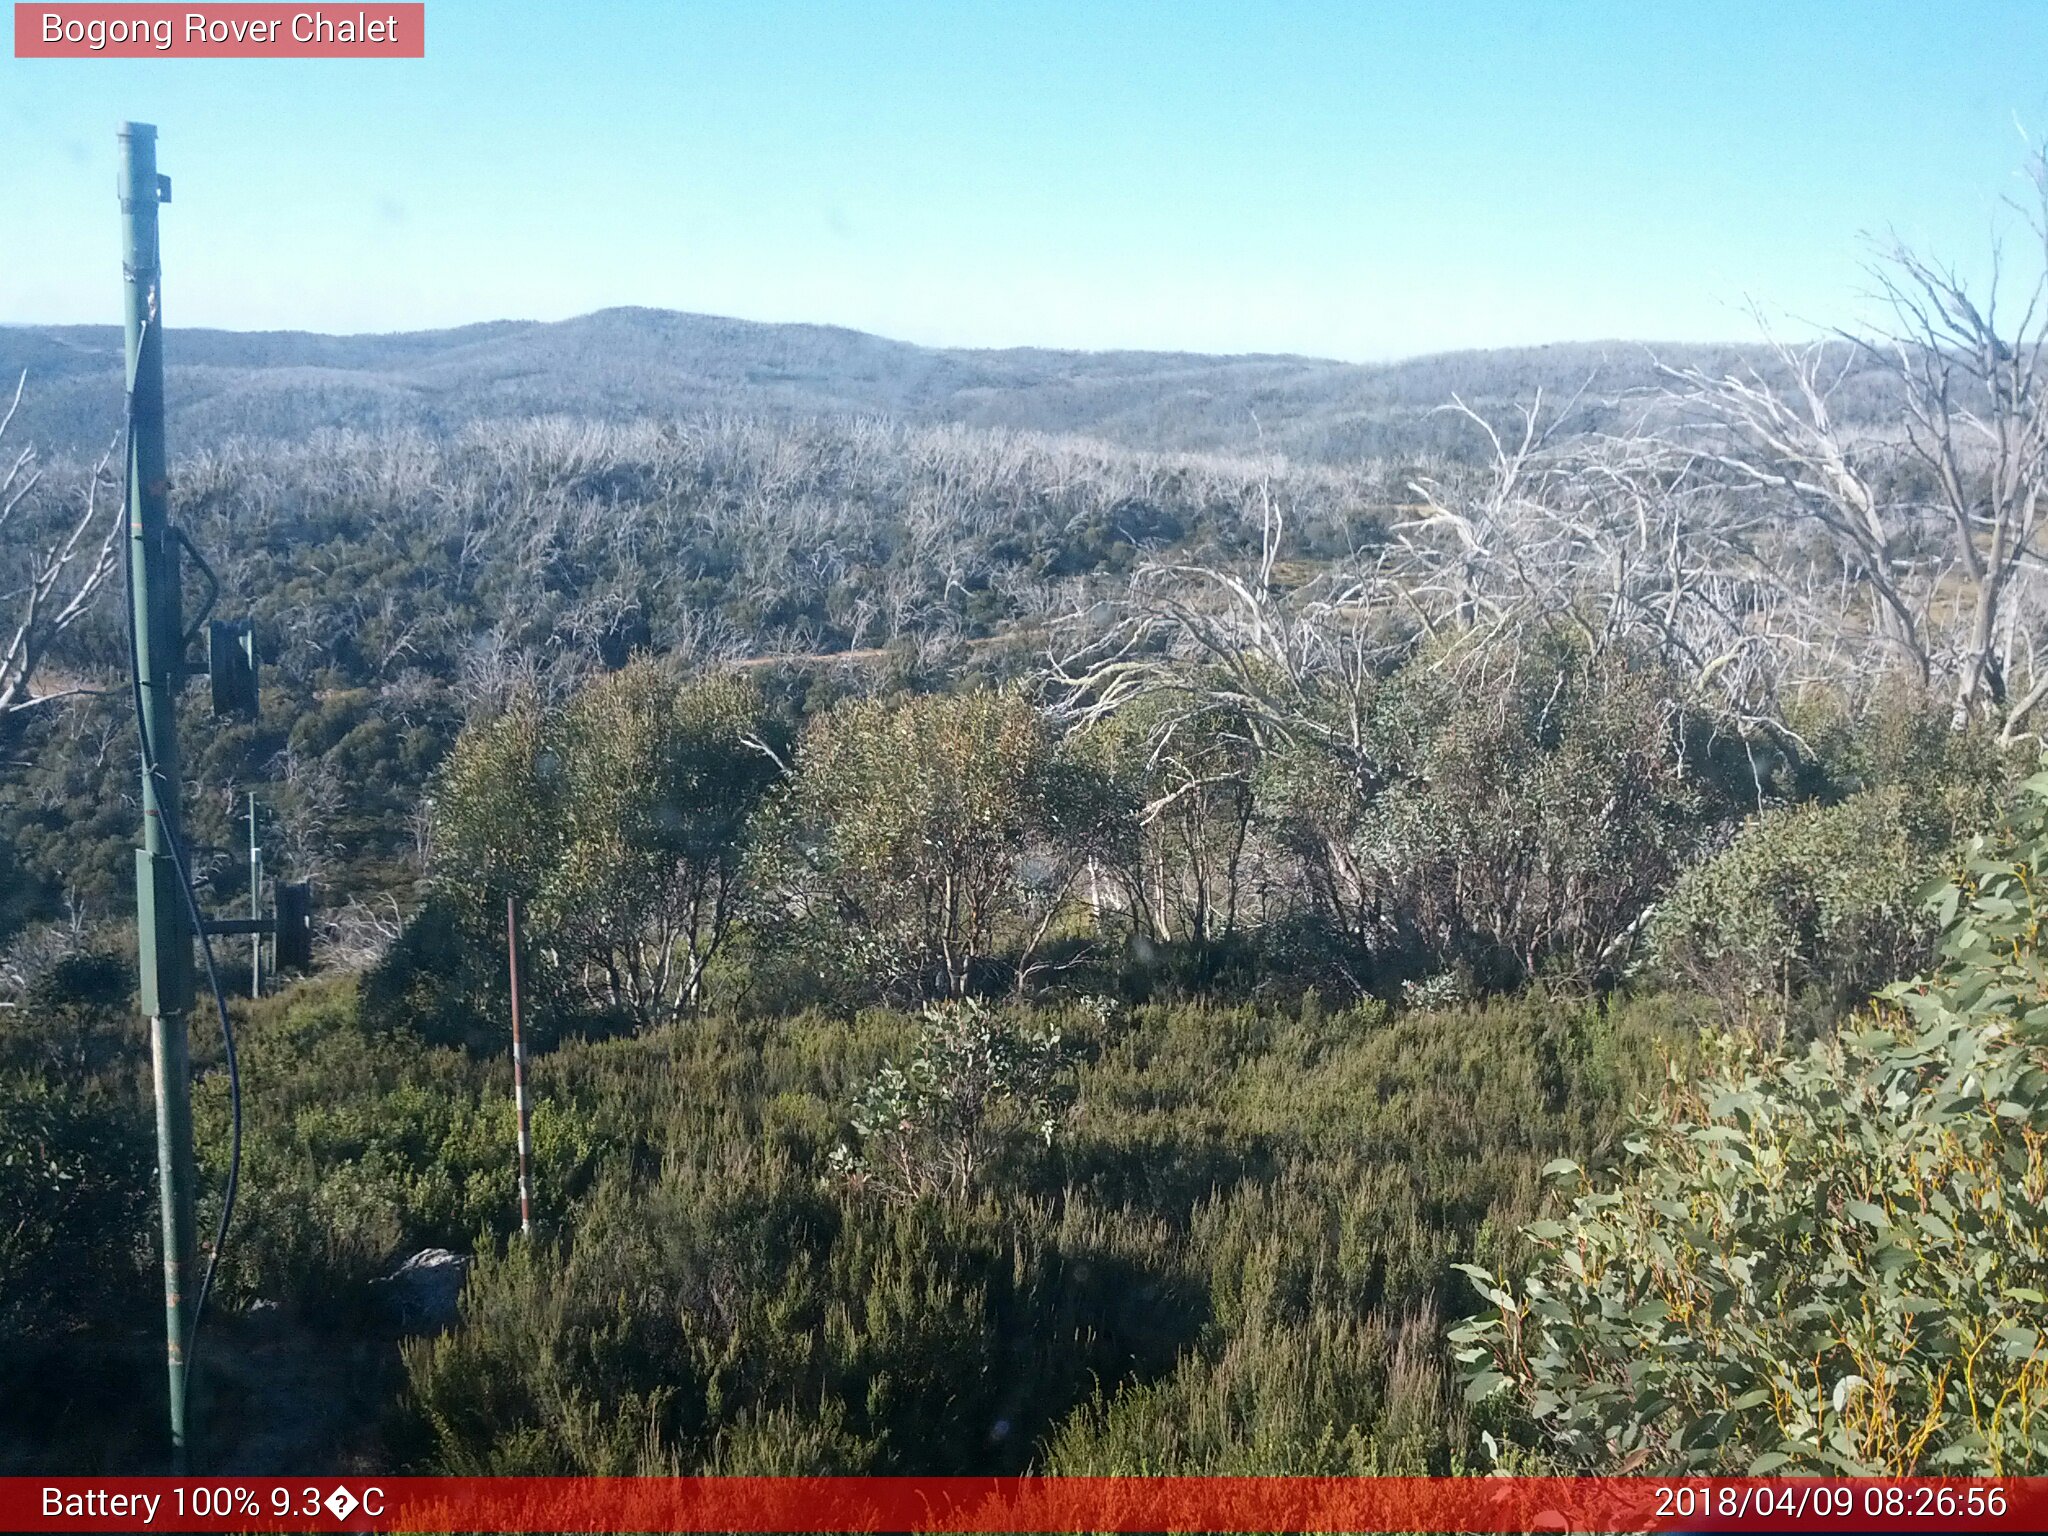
point(1287, 918)
point(624, 364)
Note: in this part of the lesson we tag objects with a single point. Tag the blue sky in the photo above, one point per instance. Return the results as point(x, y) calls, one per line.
point(1355, 179)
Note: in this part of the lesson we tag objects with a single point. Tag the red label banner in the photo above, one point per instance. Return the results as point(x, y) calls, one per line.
point(1047, 1504)
point(239, 31)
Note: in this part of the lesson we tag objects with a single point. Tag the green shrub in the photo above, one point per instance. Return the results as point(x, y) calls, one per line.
point(926, 847)
point(1331, 1395)
point(1806, 899)
point(1835, 1262)
point(932, 1127)
point(1513, 823)
point(75, 1187)
point(1810, 908)
point(361, 1146)
point(1900, 738)
point(77, 1152)
point(1172, 859)
point(1243, 1200)
point(732, 1313)
point(619, 820)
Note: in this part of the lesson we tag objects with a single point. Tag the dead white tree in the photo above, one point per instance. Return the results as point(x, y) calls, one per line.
point(1937, 525)
point(56, 567)
point(1624, 541)
point(1295, 662)
point(1247, 663)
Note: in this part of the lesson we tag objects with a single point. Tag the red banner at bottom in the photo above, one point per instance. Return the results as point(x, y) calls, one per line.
point(1044, 1504)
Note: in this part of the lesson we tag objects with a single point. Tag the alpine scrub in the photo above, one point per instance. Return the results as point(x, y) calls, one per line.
point(1832, 1262)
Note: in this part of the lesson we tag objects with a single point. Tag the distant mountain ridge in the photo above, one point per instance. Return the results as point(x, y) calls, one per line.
point(621, 363)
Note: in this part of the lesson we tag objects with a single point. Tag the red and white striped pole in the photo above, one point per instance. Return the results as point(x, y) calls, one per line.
point(519, 1071)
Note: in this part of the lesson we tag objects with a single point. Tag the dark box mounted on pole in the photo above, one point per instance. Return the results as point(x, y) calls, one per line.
point(294, 927)
point(231, 663)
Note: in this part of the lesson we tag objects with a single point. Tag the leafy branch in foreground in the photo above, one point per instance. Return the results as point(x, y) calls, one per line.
point(1831, 1263)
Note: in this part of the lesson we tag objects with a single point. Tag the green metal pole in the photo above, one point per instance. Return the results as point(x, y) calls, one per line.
point(163, 933)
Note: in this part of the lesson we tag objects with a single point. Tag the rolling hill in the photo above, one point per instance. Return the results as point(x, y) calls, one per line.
point(622, 363)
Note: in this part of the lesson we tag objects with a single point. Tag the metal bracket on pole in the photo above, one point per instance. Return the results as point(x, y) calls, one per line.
point(291, 925)
point(165, 969)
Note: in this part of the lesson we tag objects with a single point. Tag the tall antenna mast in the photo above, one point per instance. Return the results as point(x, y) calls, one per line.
point(167, 912)
point(163, 934)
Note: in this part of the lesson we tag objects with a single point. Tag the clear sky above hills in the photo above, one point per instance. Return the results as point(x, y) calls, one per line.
point(1350, 179)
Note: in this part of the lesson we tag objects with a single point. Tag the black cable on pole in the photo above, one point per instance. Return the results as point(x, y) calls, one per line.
point(177, 848)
